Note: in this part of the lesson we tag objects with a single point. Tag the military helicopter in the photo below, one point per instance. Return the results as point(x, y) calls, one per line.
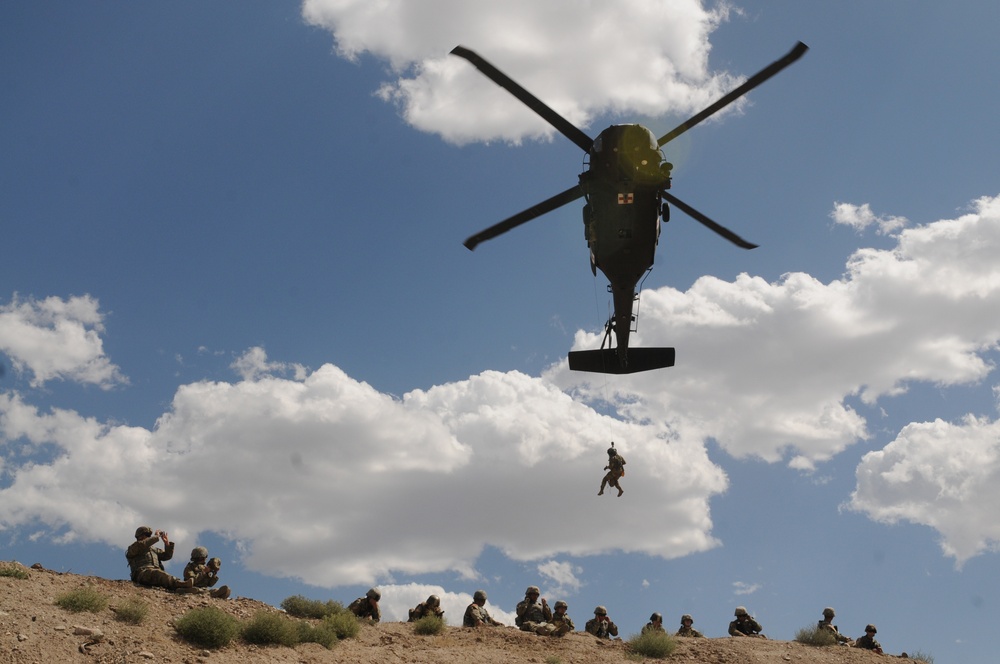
point(625, 185)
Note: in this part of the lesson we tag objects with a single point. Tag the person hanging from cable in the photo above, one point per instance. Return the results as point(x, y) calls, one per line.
point(616, 470)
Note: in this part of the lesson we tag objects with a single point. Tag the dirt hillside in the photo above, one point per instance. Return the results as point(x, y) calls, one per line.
point(34, 630)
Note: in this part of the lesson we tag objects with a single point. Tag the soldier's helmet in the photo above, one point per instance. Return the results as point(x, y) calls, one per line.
point(199, 553)
point(871, 628)
point(740, 611)
point(561, 604)
point(143, 531)
point(433, 600)
point(600, 611)
point(686, 616)
point(532, 590)
point(828, 612)
point(374, 594)
point(215, 562)
point(479, 595)
point(656, 617)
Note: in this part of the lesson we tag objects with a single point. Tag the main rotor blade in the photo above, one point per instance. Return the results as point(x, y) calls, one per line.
point(718, 228)
point(565, 127)
point(751, 83)
point(548, 205)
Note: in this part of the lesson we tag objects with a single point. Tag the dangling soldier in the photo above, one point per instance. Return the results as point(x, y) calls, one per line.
point(616, 470)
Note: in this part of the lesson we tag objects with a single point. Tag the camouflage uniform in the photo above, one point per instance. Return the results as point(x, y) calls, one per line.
point(600, 625)
point(145, 561)
point(476, 614)
point(432, 607)
point(616, 469)
point(744, 625)
point(367, 606)
point(655, 624)
point(827, 625)
point(560, 624)
point(203, 575)
point(531, 614)
point(868, 641)
point(686, 628)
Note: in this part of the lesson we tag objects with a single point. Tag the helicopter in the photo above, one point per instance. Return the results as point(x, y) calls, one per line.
point(624, 186)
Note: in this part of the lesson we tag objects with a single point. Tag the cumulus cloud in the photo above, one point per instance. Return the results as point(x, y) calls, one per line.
point(57, 339)
point(625, 57)
point(562, 577)
point(766, 369)
point(861, 217)
point(743, 588)
point(328, 480)
point(938, 474)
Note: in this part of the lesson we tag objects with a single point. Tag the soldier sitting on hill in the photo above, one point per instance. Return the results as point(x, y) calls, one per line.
point(686, 627)
point(145, 560)
point(826, 624)
point(600, 625)
point(530, 612)
point(367, 606)
point(205, 574)
point(868, 641)
point(432, 607)
point(744, 625)
point(655, 624)
point(476, 614)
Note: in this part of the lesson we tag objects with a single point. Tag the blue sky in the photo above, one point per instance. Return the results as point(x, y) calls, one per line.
point(234, 304)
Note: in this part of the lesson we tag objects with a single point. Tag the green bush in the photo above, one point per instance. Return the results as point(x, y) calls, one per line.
point(208, 627)
point(428, 626)
point(13, 570)
point(814, 636)
point(301, 607)
point(82, 599)
point(657, 645)
point(344, 625)
point(322, 634)
point(132, 610)
point(268, 628)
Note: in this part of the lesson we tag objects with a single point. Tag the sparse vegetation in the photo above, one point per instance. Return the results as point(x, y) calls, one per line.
point(657, 645)
point(428, 626)
point(920, 656)
point(344, 625)
point(814, 636)
point(13, 570)
point(82, 599)
point(132, 610)
point(322, 634)
point(208, 627)
point(552, 659)
point(268, 628)
point(302, 607)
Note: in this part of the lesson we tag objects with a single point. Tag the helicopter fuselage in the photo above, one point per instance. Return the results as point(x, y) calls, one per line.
point(623, 188)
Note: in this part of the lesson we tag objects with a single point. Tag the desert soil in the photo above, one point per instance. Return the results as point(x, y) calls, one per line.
point(34, 630)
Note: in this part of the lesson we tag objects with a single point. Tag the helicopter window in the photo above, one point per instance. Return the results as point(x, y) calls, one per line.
point(598, 143)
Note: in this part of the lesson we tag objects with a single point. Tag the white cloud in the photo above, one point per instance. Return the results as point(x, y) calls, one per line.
point(938, 474)
point(563, 578)
point(765, 368)
point(626, 57)
point(57, 339)
point(741, 588)
point(253, 364)
point(860, 217)
point(327, 480)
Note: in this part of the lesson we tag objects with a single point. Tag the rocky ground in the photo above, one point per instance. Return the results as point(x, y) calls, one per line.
point(34, 630)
